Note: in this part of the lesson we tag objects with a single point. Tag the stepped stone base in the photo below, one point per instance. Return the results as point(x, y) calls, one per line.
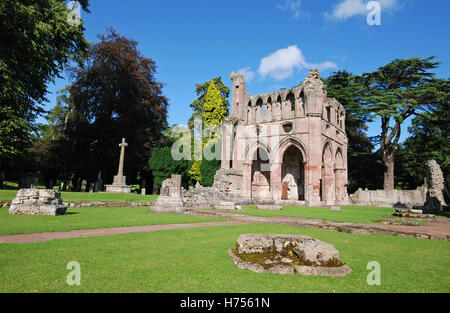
point(118, 189)
point(119, 185)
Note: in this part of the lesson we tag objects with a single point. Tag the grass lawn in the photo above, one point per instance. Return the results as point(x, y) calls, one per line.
point(7, 195)
point(196, 260)
point(353, 214)
point(89, 218)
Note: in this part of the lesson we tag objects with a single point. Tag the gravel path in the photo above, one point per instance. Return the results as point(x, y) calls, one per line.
point(42, 237)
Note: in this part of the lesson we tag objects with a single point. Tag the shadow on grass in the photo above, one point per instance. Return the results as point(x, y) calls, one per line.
point(443, 214)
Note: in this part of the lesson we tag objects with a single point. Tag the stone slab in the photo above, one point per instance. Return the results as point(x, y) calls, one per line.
point(270, 207)
point(38, 202)
point(118, 189)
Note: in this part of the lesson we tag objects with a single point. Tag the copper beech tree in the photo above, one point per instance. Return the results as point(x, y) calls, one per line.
point(115, 95)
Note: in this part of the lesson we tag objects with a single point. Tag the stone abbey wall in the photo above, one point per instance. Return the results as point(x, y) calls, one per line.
point(287, 145)
point(428, 197)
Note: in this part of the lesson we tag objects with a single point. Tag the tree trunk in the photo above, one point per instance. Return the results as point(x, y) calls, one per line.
point(389, 172)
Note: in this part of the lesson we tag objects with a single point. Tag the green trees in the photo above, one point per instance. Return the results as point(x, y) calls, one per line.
point(36, 44)
point(430, 139)
point(213, 109)
point(394, 93)
point(114, 95)
point(363, 164)
point(201, 91)
point(163, 166)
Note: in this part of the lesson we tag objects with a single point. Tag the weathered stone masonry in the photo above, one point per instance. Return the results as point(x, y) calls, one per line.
point(286, 145)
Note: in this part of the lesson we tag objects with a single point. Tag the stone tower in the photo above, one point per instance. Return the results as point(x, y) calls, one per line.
point(288, 145)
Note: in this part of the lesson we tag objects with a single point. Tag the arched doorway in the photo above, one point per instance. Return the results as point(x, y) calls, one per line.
point(261, 175)
point(293, 175)
point(328, 184)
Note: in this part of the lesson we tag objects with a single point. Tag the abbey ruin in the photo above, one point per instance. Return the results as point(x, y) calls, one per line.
point(286, 145)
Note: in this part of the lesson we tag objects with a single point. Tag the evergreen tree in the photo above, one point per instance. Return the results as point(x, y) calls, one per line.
point(430, 139)
point(163, 166)
point(395, 92)
point(364, 166)
point(201, 91)
point(213, 112)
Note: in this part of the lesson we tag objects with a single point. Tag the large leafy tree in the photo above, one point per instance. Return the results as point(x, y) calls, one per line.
point(363, 164)
point(430, 139)
point(396, 92)
point(36, 43)
point(115, 95)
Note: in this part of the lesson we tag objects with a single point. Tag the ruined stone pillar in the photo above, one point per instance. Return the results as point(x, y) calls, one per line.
point(341, 189)
point(275, 180)
point(226, 144)
point(247, 184)
point(314, 168)
point(328, 185)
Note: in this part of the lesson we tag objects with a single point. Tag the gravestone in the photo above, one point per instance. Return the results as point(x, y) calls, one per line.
point(99, 183)
point(35, 182)
point(83, 185)
point(2, 179)
point(119, 184)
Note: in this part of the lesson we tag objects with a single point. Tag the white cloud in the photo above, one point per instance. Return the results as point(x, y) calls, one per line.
point(282, 63)
point(349, 8)
point(247, 73)
point(293, 6)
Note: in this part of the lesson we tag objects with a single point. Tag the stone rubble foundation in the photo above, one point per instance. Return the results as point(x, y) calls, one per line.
point(287, 254)
point(38, 202)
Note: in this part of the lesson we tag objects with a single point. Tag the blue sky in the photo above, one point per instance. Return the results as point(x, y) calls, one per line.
point(274, 42)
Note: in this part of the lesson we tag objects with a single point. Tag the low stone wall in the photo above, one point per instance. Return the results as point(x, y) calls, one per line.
point(108, 204)
point(351, 228)
point(390, 198)
point(95, 204)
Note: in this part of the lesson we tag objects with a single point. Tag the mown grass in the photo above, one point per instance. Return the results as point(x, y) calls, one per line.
point(352, 214)
point(89, 218)
point(196, 260)
point(7, 195)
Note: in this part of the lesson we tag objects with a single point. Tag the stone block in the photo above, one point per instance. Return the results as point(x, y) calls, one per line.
point(38, 202)
point(270, 207)
point(118, 189)
point(287, 254)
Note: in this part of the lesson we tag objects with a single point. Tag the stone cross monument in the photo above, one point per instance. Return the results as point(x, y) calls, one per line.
point(119, 184)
